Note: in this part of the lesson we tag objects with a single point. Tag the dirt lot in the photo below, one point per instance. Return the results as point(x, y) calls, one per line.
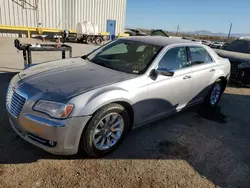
point(195, 148)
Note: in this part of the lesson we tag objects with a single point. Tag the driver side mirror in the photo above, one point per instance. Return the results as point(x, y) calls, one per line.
point(165, 72)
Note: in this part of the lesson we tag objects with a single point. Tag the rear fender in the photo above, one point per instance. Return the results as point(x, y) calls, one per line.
point(223, 70)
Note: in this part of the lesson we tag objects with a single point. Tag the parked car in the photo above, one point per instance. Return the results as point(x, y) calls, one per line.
point(225, 45)
point(91, 103)
point(217, 45)
point(206, 42)
point(238, 52)
point(134, 32)
point(159, 32)
point(137, 32)
point(197, 41)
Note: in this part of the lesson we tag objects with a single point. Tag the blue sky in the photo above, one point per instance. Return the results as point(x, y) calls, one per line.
point(191, 15)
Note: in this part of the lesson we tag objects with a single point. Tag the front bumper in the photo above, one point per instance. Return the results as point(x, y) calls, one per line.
point(60, 137)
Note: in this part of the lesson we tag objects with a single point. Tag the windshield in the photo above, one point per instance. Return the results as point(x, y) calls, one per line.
point(126, 56)
point(242, 46)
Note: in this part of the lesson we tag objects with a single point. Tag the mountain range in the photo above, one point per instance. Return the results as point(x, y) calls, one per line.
point(209, 33)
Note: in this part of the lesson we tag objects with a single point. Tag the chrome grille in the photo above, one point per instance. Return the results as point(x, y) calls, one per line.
point(14, 102)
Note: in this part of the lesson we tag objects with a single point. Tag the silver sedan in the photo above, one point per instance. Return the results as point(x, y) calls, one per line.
point(91, 103)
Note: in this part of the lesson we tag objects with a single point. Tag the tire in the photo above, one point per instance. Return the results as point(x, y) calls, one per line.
point(216, 93)
point(89, 136)
point(80, 40)
point(89, 40)
point(98, 40)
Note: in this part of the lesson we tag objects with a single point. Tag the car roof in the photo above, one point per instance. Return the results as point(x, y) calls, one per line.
point(158, 40)
point(244, 38)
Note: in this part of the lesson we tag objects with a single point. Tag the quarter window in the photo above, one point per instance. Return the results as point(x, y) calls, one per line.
point(174, 59)
point(199, 55)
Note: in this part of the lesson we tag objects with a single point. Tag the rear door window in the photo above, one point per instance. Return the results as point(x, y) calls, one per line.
point(199, 55)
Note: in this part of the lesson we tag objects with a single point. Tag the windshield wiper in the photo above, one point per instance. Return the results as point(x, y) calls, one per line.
point(85, 57)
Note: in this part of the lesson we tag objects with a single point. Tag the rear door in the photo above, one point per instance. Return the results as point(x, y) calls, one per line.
point(203, 70)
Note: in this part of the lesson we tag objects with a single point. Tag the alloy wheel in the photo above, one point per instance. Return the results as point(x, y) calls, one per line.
point(108, 131)
point(215, 94)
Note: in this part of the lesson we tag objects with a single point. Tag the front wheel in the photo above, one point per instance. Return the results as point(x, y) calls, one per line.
point(215, 93)
point(105, 131)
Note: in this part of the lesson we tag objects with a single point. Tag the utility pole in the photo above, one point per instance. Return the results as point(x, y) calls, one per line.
point(177, 31)
point(229, 33)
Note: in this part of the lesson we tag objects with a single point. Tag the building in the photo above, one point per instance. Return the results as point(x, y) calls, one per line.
point(109, 15)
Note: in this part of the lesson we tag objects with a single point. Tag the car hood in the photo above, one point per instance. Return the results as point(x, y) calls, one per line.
point(63, 79)
point(233, 56)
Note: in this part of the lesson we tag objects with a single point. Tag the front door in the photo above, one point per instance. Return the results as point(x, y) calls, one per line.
point(111, 28)
point(170, 93)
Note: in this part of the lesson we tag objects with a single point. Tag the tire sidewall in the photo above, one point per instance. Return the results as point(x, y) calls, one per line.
point(87, 139)
point(98, 39)
point(209, 96)
point(89, 40)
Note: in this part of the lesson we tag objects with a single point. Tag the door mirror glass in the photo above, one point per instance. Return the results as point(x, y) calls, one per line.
point(165, 72)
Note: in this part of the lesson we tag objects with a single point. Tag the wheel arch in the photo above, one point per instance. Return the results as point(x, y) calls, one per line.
point(224, 81)
point(128, 107)
point(222, 76)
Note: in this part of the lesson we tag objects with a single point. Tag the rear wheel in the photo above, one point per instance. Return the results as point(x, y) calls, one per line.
point(215, 94)
point(89, 40)
point(105, 131)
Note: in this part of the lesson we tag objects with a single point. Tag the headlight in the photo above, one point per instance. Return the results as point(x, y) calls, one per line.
point(244, 65)
point(54, 109)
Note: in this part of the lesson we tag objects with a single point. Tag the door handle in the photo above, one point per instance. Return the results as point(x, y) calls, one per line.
point(186, 77)
point(212, 70)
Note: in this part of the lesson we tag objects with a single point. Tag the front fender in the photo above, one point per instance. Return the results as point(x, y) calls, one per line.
point(88, 103)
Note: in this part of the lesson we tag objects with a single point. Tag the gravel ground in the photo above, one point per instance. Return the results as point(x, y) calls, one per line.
point(196, 148)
